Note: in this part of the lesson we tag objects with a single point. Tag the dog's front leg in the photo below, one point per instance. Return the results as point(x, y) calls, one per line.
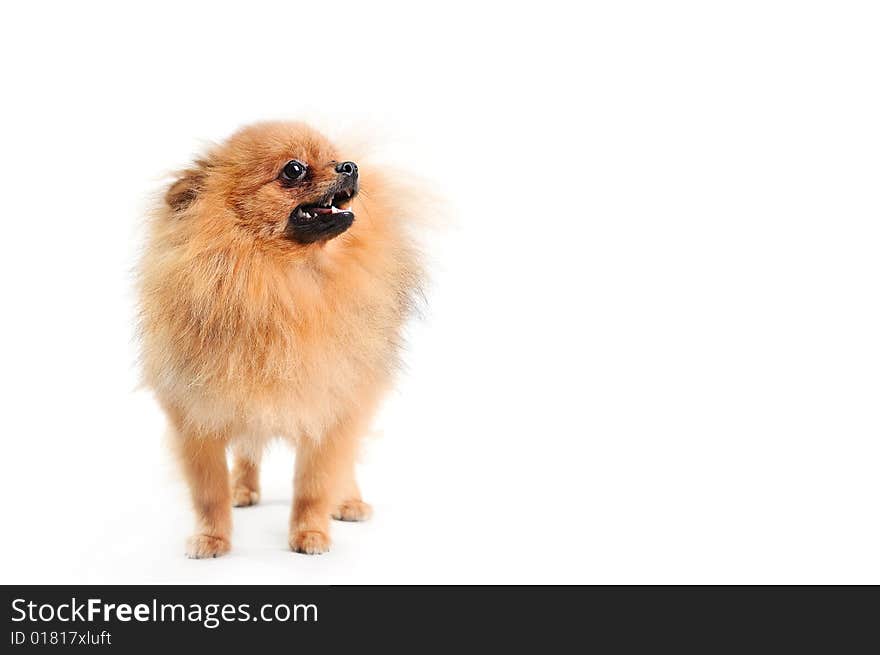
point(322, 467)
point(204, 463)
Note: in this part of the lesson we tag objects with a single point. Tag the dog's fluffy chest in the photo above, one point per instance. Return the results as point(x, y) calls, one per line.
point(283, 355)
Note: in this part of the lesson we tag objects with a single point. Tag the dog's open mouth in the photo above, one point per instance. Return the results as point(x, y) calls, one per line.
point(322, 220)
point(338, 204)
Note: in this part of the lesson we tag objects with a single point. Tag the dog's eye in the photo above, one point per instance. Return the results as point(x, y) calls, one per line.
point(293, 171)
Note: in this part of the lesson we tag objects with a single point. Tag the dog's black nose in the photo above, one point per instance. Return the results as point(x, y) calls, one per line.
point(347, 168)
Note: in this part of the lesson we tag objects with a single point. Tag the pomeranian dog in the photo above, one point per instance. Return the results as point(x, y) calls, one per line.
point(274, 285)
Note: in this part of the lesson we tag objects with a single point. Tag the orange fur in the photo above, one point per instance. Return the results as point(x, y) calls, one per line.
point(247, 334)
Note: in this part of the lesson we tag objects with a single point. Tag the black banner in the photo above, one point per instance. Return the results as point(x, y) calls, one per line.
point(235, 618)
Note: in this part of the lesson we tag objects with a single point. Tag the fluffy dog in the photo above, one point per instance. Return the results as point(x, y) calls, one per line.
point(275, 281)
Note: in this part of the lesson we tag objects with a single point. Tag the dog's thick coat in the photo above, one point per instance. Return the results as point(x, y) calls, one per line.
point(247, 334)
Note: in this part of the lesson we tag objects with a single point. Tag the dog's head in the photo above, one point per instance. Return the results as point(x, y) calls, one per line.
point(282, 182)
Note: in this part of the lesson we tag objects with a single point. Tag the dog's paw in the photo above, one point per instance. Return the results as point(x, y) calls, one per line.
point(243, 496)
point(353, 510)
point(310, 542)
point(201, 546)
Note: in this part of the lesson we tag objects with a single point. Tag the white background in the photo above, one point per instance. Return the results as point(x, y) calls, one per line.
point(651, 349)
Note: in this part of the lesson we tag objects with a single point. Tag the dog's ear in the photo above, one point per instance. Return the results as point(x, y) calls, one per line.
point(185, 189)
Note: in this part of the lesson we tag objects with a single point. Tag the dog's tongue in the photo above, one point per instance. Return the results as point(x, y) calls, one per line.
point(323, 211)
